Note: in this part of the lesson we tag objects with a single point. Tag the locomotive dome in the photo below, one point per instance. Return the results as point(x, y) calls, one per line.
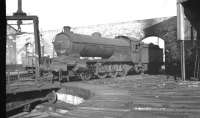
point(96, 34)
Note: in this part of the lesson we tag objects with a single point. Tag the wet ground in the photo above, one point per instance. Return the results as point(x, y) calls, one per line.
point(138, 96)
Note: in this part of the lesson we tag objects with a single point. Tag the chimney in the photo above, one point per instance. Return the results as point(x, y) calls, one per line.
point(66, 28)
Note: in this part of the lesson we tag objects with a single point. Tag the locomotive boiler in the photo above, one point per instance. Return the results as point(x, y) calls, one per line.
point(88, 56)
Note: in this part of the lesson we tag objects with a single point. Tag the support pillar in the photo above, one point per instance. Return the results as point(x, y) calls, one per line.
point(181, 36)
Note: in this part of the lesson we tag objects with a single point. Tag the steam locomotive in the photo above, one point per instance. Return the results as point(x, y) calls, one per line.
point(87, 56)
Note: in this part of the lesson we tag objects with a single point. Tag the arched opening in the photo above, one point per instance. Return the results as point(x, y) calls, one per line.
point(156, 41)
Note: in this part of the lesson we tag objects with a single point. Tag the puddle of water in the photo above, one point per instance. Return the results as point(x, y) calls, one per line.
point(70, 99)
point(149, 109)
point(64, 95)
point(61, 111)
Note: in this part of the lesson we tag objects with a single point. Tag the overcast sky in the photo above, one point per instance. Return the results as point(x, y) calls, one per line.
point(54, 14)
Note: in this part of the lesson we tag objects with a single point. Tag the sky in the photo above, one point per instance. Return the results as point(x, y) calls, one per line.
point(54, 14)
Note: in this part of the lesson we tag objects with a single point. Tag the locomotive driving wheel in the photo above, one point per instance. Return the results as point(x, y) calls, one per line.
point(139, 68)
point(102, 75)
point(85, 76)
point(113, 74)
point(123, 73)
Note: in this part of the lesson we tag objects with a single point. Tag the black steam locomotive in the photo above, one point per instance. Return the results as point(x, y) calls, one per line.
point(89, 56)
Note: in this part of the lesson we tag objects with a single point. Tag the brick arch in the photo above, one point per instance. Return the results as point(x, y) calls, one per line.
point(166, 30)
point(152, 36)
